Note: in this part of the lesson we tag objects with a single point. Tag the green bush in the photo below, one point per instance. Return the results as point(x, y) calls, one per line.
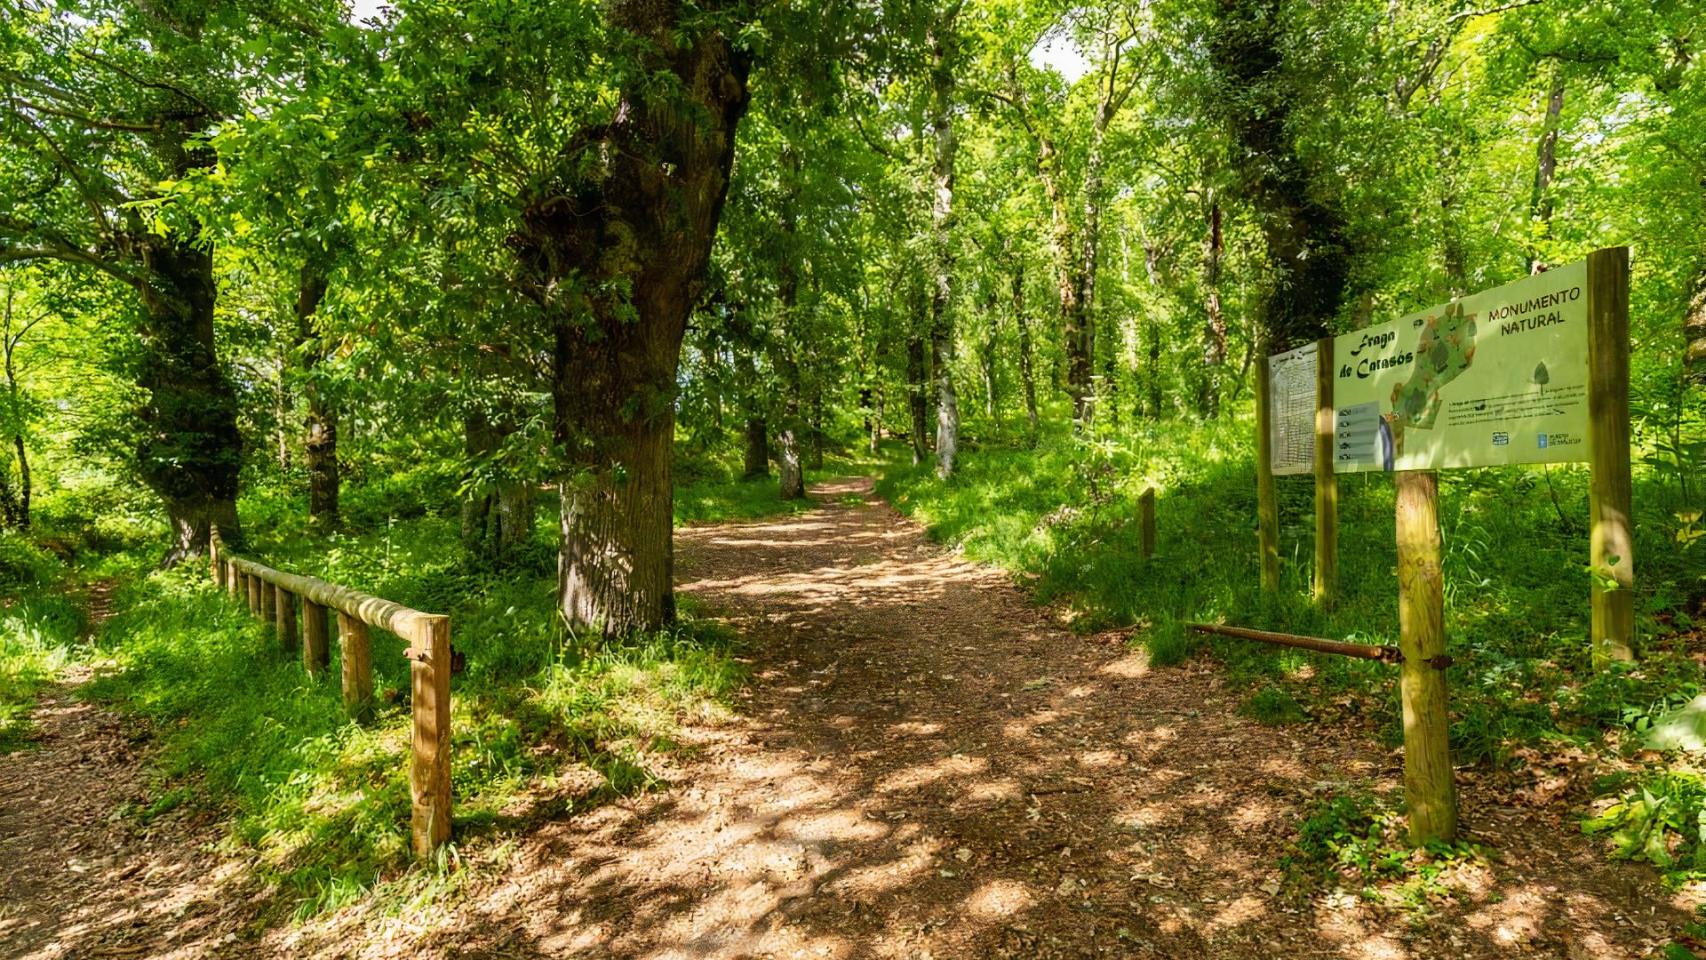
point(24, 564)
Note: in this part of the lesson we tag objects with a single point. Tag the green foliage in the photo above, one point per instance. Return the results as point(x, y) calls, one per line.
point(1274, 707)
point(322, 802)
point(23, 563)
point(39, 634)
point(1356, 840)
point(1063, 516)
point(1661, 821)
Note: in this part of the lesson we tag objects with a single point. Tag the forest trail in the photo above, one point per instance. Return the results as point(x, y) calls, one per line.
point(927, 767)
point(78, 877)
point(924, 766)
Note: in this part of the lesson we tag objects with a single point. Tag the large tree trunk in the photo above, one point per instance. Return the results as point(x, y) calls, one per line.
point(788, 467)
point(190, 453)
point(1214, 329)
point(320, 424)
point(498, 515)
point(945, 56)
point(947, 404)
point(1305, 234)
point(757, 458)
point(631, 238)
point(9, 510)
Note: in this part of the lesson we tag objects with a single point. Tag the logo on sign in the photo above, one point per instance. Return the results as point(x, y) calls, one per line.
point(1503, 439)
point(1542, 439)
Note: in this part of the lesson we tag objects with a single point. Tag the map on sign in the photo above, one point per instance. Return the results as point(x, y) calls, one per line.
point(1493, 379)
point(1291, 409)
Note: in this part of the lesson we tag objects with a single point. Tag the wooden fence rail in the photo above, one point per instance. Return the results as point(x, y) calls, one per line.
point(272, 595)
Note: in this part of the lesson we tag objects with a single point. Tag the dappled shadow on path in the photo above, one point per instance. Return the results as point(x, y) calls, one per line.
point(80, 874)
point(927, 767)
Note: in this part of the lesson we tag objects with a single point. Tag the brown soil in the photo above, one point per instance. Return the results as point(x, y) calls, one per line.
point(79, 878)
point(926, 766)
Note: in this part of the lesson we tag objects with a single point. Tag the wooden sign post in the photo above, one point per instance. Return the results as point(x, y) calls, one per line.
point(1326, 480)
point(1429, 793)
point(1611, 544)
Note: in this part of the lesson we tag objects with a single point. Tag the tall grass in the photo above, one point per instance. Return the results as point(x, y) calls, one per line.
point(320, 802)
point(1063, 516)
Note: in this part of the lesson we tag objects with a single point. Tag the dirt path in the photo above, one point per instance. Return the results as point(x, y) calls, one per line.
point(78, 878)
point(931, 769)
point(924, 767)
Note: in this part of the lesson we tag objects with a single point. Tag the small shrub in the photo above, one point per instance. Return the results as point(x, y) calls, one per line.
point(1274, 707)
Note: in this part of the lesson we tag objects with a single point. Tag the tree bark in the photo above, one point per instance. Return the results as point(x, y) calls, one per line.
point(916, 397)
point(788, 467)
point(320, 423)
point(1027, 369)
point(1214, 329)
point(618, 256)
point(757, 458)
point(792, 475)
point(1305, 234)
point(14, 502)
point(190, 454)
point(944, 57)
point(498, 514)
point(1545, 166)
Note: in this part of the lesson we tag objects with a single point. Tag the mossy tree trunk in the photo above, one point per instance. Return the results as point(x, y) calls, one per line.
point(618, 254)
point(320, 423)
point(190, 452)
point(1304, 230)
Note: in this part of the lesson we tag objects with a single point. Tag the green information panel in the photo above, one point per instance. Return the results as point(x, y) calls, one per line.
point(1493, 379)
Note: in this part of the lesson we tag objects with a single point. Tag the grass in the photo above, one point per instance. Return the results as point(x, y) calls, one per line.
point(544, 721)
point(1063, 518)
point(321, 802)
point(39, 632)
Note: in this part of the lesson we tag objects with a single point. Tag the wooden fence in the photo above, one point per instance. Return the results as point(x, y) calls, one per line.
point(273, 595)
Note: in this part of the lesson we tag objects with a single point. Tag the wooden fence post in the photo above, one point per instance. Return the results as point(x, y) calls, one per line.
point(1611, 545)
point(286, 609)
point(268, 601)
point(429, 693)
point(253, 589)
point(231, 577)
point(1146, 522)
point(1326, 481)
point(357, 656)
point(1429, 792)
point(316, 653)
point(215, 569)
point(1267, 505)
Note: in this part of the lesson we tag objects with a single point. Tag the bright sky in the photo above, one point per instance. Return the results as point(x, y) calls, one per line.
point(364, 10)
point(1059, 53)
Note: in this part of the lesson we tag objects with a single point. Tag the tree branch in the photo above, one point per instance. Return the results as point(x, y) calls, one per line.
point(98, 124)
point(1489, 11)
point(68, 253)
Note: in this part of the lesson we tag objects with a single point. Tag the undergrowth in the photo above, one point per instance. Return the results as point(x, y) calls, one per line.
point(1062, 518)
